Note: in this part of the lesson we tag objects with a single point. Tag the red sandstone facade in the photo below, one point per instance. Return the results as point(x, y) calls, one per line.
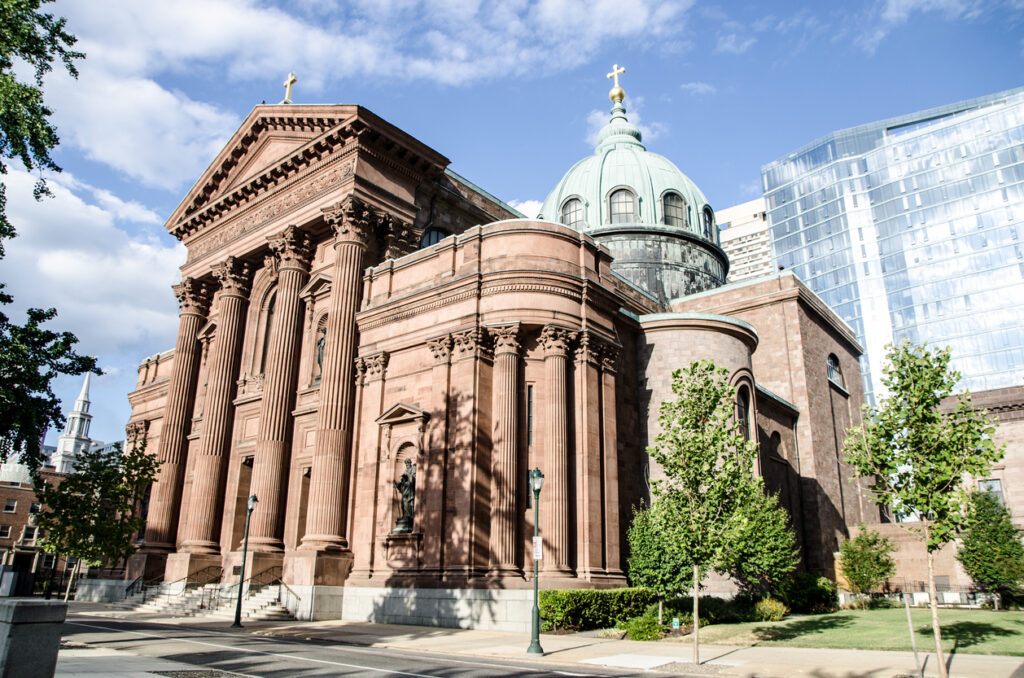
point(321, 346)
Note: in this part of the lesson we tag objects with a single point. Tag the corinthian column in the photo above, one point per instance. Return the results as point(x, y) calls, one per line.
point(269, 471)
point(162, 521)
point(207, 495)
point(353, 222)
point(504, 467)
point(555, 343)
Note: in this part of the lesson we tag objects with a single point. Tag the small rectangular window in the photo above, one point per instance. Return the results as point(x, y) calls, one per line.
point(34, 507)
point(992, 486)
point(5, 531)
point(28, 534)
point(10, 506)
point(529, 416)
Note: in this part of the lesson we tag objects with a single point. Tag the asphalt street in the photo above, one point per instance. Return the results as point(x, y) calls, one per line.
point(267, 657)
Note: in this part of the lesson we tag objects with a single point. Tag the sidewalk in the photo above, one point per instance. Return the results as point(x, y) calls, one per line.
point(667, 656)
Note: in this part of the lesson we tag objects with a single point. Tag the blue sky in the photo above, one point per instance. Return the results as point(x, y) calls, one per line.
point(510, 92)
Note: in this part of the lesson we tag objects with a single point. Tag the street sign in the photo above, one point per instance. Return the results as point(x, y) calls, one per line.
point(675, 622)
point(538, 548)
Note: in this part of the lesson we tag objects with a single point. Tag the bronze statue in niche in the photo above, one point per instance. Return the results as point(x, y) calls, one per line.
point(406, 488)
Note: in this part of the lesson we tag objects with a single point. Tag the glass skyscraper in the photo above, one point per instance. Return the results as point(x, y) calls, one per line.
point(912, 228)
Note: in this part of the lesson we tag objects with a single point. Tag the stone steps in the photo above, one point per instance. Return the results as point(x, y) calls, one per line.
point(213, 601)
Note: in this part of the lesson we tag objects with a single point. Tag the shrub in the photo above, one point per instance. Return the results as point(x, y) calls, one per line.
point(809, 593)
point(770, 610)
point(883, 603)
point(581, 609)
point(712, 610)
point(866, 560)
point(644, 627)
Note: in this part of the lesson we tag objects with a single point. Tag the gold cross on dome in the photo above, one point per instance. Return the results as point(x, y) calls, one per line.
point(616, 72)
point(288, 88)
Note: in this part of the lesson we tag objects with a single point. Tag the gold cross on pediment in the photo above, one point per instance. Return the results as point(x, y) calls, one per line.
point(616, 72)
point(288, 88)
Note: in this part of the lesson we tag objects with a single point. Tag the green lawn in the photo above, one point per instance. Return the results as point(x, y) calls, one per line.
point(967, 631)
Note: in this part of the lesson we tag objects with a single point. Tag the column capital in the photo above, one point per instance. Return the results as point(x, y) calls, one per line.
point(506, 338)
point(399, 237)
point(609, 354)
point(234, 276)
point(291, 248)
point(469, 342)
point(372, 367)
point(352, 220)
point(193, 296)
point(588, 348)
point(440, 348)
point(136, 431)
point(555, 340)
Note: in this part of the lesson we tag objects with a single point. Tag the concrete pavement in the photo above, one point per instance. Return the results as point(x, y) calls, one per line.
point(666, 656)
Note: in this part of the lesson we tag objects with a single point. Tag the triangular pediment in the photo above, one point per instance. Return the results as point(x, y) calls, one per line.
point(401, 413)
point(316, 285)
point(268, 137)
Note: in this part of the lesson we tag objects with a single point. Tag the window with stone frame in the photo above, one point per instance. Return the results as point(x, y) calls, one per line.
point(10, 505)
point(34, 507)
point(28, 534)
point(622, 204)
point(572, 213)
point(5, 531)
point(674, 210)
point(835, 372)
point(992, 486)
point(743, 411)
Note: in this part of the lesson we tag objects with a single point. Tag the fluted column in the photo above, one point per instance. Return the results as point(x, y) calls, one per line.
point(207, 495)
point(555, 510)
point(270, 467)
point(504, 467)
point(165, 500)
point(610, 447)
point(353, 222)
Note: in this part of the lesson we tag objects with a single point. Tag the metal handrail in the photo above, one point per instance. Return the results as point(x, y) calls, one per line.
point(138, 584)
point(207, 575)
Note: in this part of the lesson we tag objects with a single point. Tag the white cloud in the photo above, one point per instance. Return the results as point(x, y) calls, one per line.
point(731, 43)
point(530, 208)
point(699, 89)
point(891, 14)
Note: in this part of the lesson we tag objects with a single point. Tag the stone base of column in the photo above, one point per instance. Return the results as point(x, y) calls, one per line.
point(504, 571)
point(184, 565)
point(317, 568)
point(558, 572)
point(256, 563)
point(146, 564)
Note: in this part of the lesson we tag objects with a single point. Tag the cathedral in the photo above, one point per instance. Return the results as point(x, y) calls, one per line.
point(379, 351)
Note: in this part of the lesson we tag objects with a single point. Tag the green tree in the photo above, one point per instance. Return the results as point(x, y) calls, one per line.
point(761, 547)
point(919, 452)
point(708, 477)
point(990, 546)
point(30, 356)
point(92, 513)
point(866, 560)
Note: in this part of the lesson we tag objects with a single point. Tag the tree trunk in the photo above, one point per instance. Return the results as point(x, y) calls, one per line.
point(934, 603)
point(696, 617)
point(71, 579)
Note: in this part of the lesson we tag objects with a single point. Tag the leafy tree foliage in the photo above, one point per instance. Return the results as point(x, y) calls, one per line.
point(30, 356)
point(866, 560)
point(920, 453)
point(92, 513)
point(990, 546)
point(702, 518)
point(762, 549)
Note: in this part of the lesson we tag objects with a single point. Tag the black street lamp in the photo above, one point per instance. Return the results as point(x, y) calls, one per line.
point(250, 505)
point(536, 482)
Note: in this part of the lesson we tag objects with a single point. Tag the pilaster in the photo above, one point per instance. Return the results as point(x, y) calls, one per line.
point(505, 475)
point(556, 508)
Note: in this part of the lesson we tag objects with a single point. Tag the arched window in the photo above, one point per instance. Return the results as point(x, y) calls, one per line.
point(572, 213)
point(623, 207)
point(432, 236)
point(743, 411)
point(674, 209)
point(835, 373)
point(709, 223)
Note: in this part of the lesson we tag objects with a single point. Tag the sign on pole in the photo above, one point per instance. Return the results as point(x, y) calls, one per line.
point(538, 548)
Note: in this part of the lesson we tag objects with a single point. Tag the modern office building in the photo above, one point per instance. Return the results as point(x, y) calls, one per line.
point(745, 238)
point(911, 228)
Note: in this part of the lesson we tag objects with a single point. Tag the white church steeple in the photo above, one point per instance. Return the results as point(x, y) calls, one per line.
point(76, 432)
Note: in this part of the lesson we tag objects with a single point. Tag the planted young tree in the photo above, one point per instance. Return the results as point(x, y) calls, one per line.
point(761, 548)
point(990, 546)
point(30, 355)
point(92, 514)
point(708, 476)
point(866, 561)
point(919, 453)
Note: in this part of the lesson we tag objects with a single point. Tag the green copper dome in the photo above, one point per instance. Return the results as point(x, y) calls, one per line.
point(620, 161)
point(656, 223)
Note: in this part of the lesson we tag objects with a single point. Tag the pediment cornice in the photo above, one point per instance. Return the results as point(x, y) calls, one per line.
point(318, 132)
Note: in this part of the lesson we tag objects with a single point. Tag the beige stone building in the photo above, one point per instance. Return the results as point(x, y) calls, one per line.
point(356, 318)
point(746, 239)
